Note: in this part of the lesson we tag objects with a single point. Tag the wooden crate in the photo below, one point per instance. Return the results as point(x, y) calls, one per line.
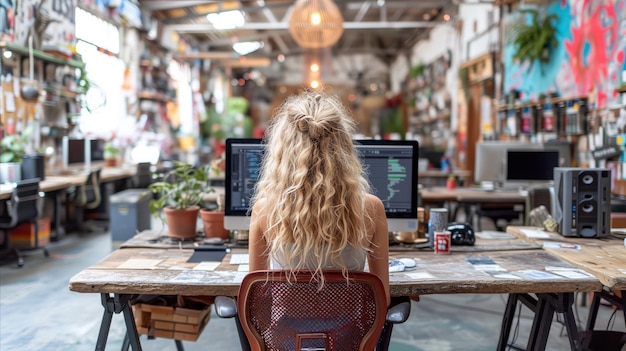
point(171, 322)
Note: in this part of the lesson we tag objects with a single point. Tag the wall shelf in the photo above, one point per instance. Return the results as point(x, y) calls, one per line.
point(146, 95)
point(41, 55)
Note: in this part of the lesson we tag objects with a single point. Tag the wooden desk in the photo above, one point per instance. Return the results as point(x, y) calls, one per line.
point(47, 185)
point(171, 274)
point(472, 200)
point(603, 257)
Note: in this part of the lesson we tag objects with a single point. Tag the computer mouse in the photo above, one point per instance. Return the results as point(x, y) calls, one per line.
point(407, 262)
point(395, 266)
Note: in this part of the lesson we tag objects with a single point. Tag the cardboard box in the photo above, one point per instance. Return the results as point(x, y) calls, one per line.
point(171, 322)
point(23, 236)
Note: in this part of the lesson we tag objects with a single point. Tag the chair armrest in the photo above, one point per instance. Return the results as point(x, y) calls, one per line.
point(225, 307)
point(399, 312)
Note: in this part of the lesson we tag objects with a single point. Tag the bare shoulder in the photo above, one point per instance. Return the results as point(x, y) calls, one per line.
point(374, 205)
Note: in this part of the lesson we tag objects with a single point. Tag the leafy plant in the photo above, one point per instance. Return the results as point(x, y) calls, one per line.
point(110, 151)
point(533, 41)
point(184, 186)
point(14, 146)
point(417, 70)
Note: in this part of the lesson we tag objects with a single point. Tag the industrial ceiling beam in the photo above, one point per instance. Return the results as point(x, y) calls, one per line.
point(202, 28)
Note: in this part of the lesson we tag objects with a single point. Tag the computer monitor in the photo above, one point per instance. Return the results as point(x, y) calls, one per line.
point(530, 167)
point(490, 159)
point(74, 151)
point(390, 165)
point(97, 149)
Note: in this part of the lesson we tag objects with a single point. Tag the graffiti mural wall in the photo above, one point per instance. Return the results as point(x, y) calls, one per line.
point(588, 57)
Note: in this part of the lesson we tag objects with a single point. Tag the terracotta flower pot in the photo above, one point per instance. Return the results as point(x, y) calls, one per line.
point(213, 222)
point(182, 223)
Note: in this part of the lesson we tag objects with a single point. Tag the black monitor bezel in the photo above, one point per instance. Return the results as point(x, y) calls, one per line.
point(228, 211)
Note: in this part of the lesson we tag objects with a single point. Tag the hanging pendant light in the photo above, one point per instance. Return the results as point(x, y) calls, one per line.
point(315, 24)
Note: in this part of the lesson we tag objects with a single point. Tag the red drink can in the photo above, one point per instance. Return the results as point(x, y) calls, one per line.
point(442, 242)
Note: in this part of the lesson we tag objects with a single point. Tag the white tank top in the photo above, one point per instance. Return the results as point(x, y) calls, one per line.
point(353, 258)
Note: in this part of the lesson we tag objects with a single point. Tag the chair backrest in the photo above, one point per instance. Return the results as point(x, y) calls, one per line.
point(143, 177)
point(535, 198)
point(26, 201)
point(88, 195)
point(279, 311)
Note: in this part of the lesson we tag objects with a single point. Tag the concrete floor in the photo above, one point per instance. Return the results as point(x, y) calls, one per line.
point(38, 312)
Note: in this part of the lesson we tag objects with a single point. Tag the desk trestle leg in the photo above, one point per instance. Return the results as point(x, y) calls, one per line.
point(544, 306)
point(117, 304)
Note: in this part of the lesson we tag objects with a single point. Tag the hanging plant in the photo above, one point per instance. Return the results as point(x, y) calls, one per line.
point(416, 70)
point(533, 41)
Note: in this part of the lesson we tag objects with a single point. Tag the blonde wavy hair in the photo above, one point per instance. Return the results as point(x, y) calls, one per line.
point(311, 184)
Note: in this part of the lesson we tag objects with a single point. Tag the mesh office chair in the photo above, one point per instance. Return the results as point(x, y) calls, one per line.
point(535, 198)
point(143, 177)
point(275, 311)
point(24, 206)
point(86, 196)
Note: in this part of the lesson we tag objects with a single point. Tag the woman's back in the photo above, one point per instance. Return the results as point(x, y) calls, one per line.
point(312, 208)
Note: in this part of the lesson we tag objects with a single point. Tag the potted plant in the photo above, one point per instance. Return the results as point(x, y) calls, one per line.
point(179, 197)
point(533, 41)
point(13, 148)
point(213, 218)
point(111, 152)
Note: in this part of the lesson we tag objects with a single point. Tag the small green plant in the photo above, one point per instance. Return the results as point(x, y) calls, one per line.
point(533, 41)
point(417, 70)
point(14, 146)
point(110, 151)
point(183, 187)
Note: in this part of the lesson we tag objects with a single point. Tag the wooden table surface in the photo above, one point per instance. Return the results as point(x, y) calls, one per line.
point(167, 272)
point(443, 194)
point(58, 182)
point(603, 257)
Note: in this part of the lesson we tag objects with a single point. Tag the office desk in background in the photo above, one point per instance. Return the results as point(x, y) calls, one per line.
point(473, 201)
point(55, 186)
point(130, 271)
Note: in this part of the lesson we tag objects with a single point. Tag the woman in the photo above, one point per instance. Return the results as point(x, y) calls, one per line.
point(312, 208)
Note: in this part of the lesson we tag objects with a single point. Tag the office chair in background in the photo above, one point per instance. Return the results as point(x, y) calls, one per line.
point(143, 178)
point(86, 196)
point(24, 206)
point(535, 198)
point(278, 311)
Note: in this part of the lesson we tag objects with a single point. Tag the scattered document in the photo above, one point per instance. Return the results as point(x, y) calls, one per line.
point(420, 275)
point(506, 275)
point(206, 266)
point(243, 268)
point(565, 246)
point(139, 263)
point(534, 274)
point(239, 259)
point(489, 268)
point(572, 273)
point(535, 233)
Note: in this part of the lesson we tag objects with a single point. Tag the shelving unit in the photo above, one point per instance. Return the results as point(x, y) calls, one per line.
point(428, 104)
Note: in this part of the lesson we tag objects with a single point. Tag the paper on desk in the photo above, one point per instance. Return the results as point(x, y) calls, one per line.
point(556, 245)
point(535, 233)
point(506, 275)
point(207, 266)
point(535, 274)
point(243, 268)
point(489, 267)
point(139, 263)
point(419, 275)
point(572, 273)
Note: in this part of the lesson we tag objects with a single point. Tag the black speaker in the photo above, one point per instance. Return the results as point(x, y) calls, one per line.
point(582, 201)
